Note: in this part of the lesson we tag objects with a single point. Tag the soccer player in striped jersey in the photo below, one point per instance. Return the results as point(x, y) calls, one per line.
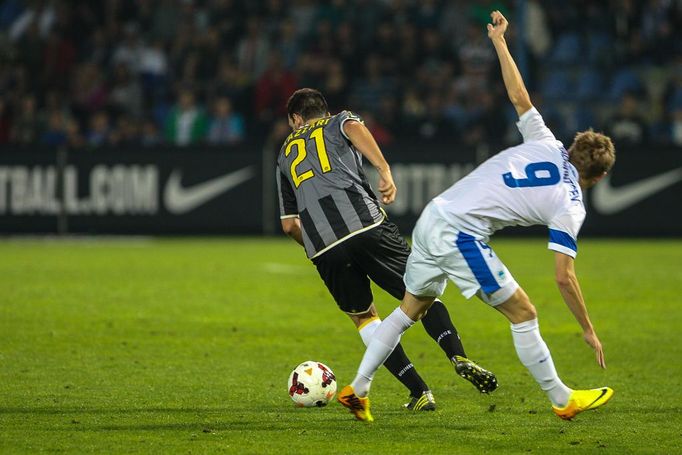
point(538, 182)
point(327, 206)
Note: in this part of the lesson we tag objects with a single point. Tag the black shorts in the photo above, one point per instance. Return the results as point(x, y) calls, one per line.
point(379, 254)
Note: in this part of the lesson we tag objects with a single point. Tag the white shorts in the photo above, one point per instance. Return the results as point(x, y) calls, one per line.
point(440, 251)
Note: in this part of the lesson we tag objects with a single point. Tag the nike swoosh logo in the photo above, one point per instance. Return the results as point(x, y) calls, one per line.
point(608, 200)
point(603, 392)
point(179, 199)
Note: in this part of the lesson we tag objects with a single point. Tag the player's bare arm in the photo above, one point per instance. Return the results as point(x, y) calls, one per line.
point(569, 287)
point(513, 81)
point(364, 142)
point(292, 227)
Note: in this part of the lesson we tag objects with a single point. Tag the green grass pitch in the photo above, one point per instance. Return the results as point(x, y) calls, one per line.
point(185, 346)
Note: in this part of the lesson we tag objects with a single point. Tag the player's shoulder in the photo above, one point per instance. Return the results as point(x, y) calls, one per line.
point(346, 115)
point(532, 127)
point(339, 119)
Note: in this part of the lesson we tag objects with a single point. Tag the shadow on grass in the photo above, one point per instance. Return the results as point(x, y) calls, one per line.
point(76, 410)
point(241, 426)
point(203, 419)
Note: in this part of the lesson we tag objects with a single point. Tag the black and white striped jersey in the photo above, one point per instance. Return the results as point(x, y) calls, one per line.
point(320, 180)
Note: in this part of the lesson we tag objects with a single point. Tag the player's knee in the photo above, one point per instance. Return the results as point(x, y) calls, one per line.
point(518, 308)
point(361, 318)
point(525, 310)
point(416, 307)
point(528, 312)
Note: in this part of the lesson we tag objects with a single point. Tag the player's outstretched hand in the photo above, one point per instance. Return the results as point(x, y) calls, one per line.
point(498, 27)
point(593, 341)
point(387, 187)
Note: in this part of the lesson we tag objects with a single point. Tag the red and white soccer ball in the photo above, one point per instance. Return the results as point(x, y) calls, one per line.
point(312, 384)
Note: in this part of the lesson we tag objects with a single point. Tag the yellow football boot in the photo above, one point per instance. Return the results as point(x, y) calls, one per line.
point(357, 405)
point(583, 400)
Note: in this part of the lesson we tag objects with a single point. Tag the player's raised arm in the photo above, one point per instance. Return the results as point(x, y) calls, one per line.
point(364, 142)
point(510, 73)
point(568, 284)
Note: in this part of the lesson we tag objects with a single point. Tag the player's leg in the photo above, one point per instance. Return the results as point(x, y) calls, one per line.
point(535, 356)
point(476, 269)
point(386, 338)
point(383, 253)
point(531, 348)
point(350, 288)
point(384, 258)
point(424, 281)
point(400, 366)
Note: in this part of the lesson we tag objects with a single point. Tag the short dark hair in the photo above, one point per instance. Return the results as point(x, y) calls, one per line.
point(308, 103)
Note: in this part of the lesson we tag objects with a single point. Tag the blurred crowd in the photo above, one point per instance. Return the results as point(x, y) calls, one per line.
point(147, 72)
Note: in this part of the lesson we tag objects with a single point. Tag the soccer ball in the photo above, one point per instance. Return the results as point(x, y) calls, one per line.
point(312, 384)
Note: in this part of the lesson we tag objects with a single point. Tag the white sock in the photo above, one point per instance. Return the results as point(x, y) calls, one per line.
point(534, 355)
point(367, 331)
point(386, 338)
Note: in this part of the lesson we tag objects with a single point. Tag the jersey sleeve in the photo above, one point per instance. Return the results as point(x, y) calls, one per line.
point(563, 231)
point(533, 128)
point(346, 116)
point(288, 207)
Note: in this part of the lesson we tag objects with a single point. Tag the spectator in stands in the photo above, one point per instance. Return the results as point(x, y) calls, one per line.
point(253, 50)
point(435, 125)
point(99, 132)
point(5, 122)
point(153, 68)
point(287, 44)
point(209, 51)
point(186, 123)
point(304, 13)
point(88, 90)
point(72, 130)
point(368, 91)
point(59, 59)
point(233, 83)
point(628, 126)
point(126, 133)
point(126, 93)
point(31, 47)
point(273, 90)
point(129, 50)
point(55, 134)
point(165, 20)
point(364, 54)
point(335, 86)
point(26, 127)
point(150, 134)
point(413, 111)
point(486, 121)
point(381, 134)
point(676, 128)
point(40, 13)
point(226, 126)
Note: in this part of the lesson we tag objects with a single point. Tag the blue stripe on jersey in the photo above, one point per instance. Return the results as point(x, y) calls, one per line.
point(563, 239)
point(469, 249)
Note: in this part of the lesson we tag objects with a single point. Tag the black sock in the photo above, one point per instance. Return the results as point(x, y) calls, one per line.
point(439, 326)
point(401, 367)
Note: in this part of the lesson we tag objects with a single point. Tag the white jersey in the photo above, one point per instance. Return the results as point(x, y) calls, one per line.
point(530, 184)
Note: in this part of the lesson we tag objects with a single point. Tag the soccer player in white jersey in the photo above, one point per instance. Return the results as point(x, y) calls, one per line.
point(535, 183)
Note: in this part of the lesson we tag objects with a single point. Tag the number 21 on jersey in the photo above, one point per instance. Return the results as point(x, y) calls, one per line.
point(301, 154)
point(544, 173)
